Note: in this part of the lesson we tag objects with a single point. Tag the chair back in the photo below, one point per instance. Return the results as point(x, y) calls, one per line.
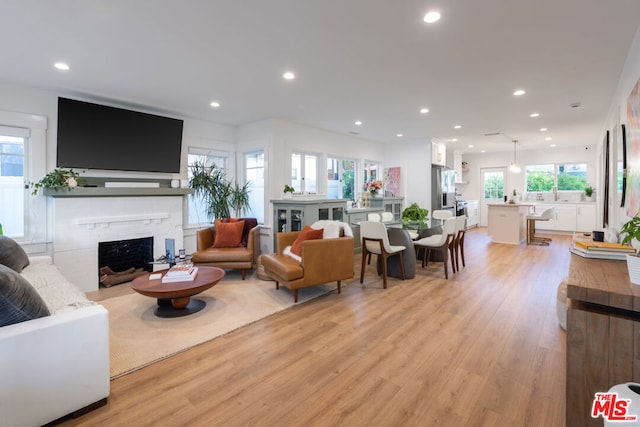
point(461, 223)
point(448, 229)
point(374, 230)
point(387, 216)
point(546, 214)
point(441, 214)
point(373, 217)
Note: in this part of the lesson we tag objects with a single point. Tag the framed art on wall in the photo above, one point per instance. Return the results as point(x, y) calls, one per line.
point(632, 198)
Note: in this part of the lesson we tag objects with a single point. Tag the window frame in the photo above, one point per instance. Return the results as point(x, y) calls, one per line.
point(192, 201)
point(264, 180)
point(340, 163)
point(555, 166)
point(302, 187)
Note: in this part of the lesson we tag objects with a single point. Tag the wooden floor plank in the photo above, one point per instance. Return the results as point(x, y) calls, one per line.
point(482, 348)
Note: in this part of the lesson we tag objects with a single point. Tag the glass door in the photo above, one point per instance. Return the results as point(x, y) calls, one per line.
point(492, 190)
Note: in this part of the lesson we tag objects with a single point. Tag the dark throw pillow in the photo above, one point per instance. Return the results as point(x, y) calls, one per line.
point(12, 255)
point(19, 301)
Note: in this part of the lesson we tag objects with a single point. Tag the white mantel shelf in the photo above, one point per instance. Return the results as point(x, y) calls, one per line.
point(117, 192)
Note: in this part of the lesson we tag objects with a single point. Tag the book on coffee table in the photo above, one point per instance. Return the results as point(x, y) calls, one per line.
point(182, 270)
point(182, 277)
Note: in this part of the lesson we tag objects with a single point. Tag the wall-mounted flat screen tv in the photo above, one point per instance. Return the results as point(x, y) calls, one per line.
point(92, 136)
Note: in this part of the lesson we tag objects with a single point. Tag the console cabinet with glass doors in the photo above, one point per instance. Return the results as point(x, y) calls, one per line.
point(293, 215)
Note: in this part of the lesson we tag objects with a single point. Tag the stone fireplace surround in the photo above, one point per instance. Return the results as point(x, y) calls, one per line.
point(80, 223)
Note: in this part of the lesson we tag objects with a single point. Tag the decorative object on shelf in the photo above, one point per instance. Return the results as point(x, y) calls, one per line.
point(216, 192)
point(288, 191)
point(465, 166)
point(374, 187)
point(588, 192)
point(57, 179)
point(631, 232)
point(415, 217)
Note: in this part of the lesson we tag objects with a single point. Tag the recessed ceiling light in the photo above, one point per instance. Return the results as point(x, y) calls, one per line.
point(214, 104)
point(289, 75)
point(470, 145)
point(431, 17)
point(548, 138)
point(482, 151)
point(358, 122)
point(457, 127)
point(519, 92)
point(543, 129)
point(552, 145)
point(424, 110)
point(62, 66)
point(534, 115)
point(399, 135)
point(454, 140)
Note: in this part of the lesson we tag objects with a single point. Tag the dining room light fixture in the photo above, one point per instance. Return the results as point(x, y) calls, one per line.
point(514, 167)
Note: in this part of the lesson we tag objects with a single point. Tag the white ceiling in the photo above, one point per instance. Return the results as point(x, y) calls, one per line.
point(369, 60)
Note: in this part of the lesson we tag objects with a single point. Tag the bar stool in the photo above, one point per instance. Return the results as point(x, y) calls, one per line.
point(532, 239)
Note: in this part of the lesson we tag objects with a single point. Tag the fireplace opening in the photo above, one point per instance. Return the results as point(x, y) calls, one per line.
point(121, 261)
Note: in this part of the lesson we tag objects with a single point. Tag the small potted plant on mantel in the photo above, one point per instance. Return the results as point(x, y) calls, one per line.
point(631, 232)
point(57, 179)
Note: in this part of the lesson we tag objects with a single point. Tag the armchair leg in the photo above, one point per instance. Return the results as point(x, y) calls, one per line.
point(339, 286)
point(295, 295)
point(277, 285)
point(242, 272)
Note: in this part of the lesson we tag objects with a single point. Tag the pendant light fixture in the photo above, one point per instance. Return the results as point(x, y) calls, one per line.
point(514, 167)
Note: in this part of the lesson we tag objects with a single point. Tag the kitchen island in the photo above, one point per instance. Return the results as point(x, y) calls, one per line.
point(508, 222)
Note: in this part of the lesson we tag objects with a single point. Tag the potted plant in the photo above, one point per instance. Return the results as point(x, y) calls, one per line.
point(415, 217)
point(288, 191)
point(216, 192)
point(631, 232)
point(57, 179)
point(588, 192)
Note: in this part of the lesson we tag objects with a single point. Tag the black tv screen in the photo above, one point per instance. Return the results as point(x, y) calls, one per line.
point(92, 136)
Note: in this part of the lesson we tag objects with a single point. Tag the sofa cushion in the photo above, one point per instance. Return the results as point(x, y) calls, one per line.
point(238, 254)
point(307, 233)
point(12, 255)
point(228, 235)
point(282, 266)
point(19, 301)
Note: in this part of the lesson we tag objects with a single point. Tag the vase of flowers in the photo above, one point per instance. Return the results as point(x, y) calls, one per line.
point(374, 187)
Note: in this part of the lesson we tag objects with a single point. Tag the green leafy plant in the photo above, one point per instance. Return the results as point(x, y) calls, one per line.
point(289, 189)
point(216, 192)
point(588, 191)
point(631, 229)
point(415, 216)
point(57, 179)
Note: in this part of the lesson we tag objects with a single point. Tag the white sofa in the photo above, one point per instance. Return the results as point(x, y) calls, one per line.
point(55, 365)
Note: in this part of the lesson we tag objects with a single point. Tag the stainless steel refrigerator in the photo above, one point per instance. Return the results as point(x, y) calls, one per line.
point(443, 189)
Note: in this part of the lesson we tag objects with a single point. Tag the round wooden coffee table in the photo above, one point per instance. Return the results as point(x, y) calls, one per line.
point(174, 298)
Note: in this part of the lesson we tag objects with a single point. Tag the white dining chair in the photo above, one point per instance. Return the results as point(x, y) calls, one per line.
point(387, 216)
point(458, 240)
point(442, 243)
point(375, 240)
point(532, 239)
point(375, 217)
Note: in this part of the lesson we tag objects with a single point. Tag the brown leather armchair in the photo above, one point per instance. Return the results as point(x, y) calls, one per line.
point(323, 261)
point(241, 257)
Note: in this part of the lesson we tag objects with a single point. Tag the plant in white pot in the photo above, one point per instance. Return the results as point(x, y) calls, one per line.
point(631, 232)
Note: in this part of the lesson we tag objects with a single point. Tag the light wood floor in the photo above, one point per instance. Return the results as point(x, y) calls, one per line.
point(481, 349)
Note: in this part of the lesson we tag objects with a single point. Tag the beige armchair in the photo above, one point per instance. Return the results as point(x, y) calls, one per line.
point(323, 261)
point(241, 257)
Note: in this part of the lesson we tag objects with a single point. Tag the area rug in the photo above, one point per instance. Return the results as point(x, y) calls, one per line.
point(139, 338)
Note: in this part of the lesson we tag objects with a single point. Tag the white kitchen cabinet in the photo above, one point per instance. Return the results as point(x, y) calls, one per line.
point(473, 213)
point(457, 167)
point(438, 153)
point(565, 216)
point(568, 217)
point(586, 218)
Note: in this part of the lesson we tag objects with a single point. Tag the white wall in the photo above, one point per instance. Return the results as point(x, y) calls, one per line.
point(618, 115)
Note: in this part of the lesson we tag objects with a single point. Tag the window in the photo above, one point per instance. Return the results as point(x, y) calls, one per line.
point(493, 184)
point(197, 212)
point(12, 182)
point(564, 176)
point(371, 172)
point(341, 179)
point(304, 172)
point(254, 173)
